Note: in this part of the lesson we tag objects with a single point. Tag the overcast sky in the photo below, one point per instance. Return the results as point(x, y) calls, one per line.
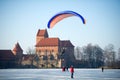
point(21, 19)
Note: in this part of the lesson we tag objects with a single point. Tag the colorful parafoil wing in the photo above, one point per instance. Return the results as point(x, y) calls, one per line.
point(64, 14)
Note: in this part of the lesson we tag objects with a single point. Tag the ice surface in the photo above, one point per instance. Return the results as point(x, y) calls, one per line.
point(57, 74)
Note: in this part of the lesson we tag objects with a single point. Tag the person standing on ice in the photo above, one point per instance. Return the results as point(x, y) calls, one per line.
point(102, 69)
point(67, 68)
point(72, 71)
point(63, 68)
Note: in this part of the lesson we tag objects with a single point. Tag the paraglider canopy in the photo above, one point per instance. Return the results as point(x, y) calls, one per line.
point(64, 14)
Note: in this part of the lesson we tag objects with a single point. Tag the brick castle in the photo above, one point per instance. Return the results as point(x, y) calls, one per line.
point(50, 52)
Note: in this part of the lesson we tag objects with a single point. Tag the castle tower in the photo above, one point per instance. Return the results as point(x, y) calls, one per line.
point(49, 50)
point(41, 34)
point(18, 52)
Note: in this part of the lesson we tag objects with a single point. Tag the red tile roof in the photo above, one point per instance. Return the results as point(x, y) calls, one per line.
point(17, 48)
point(6, 55)
point(41, 32)
point(48, 42)
point(66, 43)
point(51, 41)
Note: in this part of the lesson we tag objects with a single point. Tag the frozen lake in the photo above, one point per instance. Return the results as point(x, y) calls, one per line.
point(57, 74)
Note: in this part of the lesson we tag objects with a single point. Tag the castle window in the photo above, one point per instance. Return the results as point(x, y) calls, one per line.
point(45, 57)
point(51, 57)
point(52, 50)
point(39, 51)
point(46, 52)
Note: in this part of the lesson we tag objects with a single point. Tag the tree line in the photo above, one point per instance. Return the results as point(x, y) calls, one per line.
point(93, 56)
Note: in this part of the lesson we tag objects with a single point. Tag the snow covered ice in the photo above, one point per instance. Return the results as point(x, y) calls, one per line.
point(57, 74)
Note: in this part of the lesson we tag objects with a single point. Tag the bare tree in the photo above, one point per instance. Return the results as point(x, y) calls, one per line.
point(78, 53)
point(98, 56)
point(119, 54)
point(93, 55)
point(88, 53)
point(109, 55)
point(30, 51)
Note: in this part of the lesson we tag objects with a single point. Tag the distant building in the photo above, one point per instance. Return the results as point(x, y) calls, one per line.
point(18, 52)
point(50, 52)
point(53, 52)
point(7, 59)
point(11, 58)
